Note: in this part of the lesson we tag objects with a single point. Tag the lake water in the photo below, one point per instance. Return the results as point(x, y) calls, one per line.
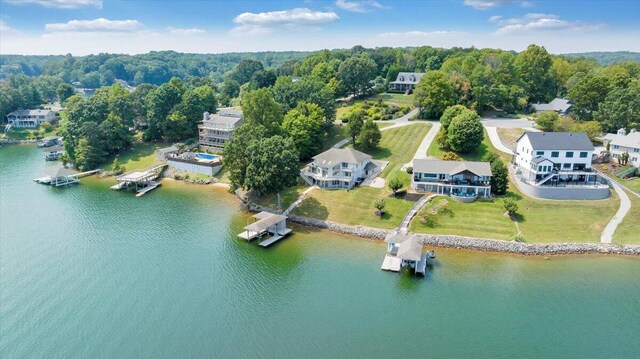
point(87, 272)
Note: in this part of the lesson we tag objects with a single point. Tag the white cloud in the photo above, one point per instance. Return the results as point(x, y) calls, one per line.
point(7, 31)
point(266, 22)
point(490, 4)
point(179, 31)
point(60, 4)
point(97, 25)
point(536, 22)
point(358, 5)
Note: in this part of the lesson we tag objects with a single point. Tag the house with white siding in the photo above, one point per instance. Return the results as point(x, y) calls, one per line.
point(217, 129)
point(30, 118)
point(339, 168)
point(405, 81)
point(623, 142)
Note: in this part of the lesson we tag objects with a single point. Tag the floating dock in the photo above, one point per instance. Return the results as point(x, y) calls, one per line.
point(271, 224)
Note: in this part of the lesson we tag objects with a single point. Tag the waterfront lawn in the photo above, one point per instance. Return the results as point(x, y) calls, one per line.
point(563, 221)
point(30, 133)
point(633, 183)
point(509, 136)
point(484, 219)
point(354, 207)
point(139, 156)
point(287, 197)
point(629, 230)
point(398, 145)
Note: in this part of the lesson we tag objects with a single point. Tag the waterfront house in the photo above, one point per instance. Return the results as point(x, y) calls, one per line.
point(405, 81)
point(560, 105)
point(216, 129)
point(557, 165)
point(339, 168)
point(460, 179)
point(203, 163)
point(30, 118)
point(623, 142)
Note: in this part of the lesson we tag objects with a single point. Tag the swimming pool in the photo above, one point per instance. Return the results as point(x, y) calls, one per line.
point(205, 156)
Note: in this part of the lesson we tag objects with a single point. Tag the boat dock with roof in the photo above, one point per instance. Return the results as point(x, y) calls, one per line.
point(63, 176)
point(271, 224)
point(141, 181)
point(404, 250)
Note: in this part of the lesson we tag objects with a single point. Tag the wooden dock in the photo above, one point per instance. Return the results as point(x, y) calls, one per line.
point(267, 223)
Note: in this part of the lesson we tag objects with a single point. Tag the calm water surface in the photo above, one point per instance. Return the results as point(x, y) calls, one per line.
point(86, 272)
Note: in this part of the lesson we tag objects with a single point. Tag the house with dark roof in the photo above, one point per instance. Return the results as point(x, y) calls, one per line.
point(217, 129)
point(557, 159)
point(560, 105)
point(463, 180)
point(339, 168)
point(405, 81)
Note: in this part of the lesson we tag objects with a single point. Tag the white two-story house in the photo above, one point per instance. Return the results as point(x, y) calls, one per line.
point(30, 118)
point(339, 168)
point(456, 178)
point(622, 142)
point(555, 158)
point(216, 129)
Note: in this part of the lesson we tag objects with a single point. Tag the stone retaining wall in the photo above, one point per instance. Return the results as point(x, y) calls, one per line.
point(460, 242)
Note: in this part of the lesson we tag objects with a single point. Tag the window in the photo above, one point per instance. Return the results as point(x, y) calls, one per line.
point(569, 154)
point(636, 150)
point(539, 153)
point(635, 159)
point(615, 147)
point(555, 154)
point(566, 165)
point(583, 154)
point(345, 165)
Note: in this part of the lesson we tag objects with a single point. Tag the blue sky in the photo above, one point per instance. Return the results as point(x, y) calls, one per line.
point(136, 26)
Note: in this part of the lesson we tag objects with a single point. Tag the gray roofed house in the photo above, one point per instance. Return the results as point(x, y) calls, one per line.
point(163, 153)
point(217, 128)
point(405, 81)
point(623, 142)
point(339, 168)
point(559, 105)
point(577, 141)
point(460, 179)
point(29, 118)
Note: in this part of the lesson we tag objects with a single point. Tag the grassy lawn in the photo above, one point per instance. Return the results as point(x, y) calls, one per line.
point(629, 230)
point(30, 133)
point(398, 145)
point(354, 207)
point(509, 136)
point(140, 155)
point(395, 98)
point(564, 221)
point(287, 197)
point(633, 183)
point(477, 219)
point(337, 134)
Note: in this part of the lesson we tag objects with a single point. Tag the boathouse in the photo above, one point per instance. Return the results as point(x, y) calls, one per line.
point(270, 224)
point(404, 250)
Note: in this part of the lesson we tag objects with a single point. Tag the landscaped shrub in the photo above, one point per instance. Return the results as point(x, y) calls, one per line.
point(410, 170)
point(518, 238)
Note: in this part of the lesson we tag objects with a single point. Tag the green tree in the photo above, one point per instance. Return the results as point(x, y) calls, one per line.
point(176, 126)
point(117, 168)
point(379, 206)
point(449, 114)
point(369, 135)
point(64, 91)
point(547, 120)
point(87, 156)
point(510, 205)
point(236, 153)
point(355, 74)
point(620, 108)
point(395, 185)
point(304, 125)
point(160, 104)
point(356, 121)
point(433, 94)
point(272, 166)
point(115, 136)
point(499, 176)
point(245, 70)
point(121, 104)
point(450, 156)
point(465, 132)
point(534, 68)
point(259, 107)
point(194, 103)
point(587, 94)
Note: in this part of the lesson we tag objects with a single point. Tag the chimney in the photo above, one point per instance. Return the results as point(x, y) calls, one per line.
point(205, 116)
point(622, 132)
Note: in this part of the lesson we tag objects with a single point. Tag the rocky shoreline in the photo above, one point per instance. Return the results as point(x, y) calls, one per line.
point(460, 242)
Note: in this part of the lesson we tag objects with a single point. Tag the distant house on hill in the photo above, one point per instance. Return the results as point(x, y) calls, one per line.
point(560, 105)
point(405, 81)
point(30, 118)
point(622, 142)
